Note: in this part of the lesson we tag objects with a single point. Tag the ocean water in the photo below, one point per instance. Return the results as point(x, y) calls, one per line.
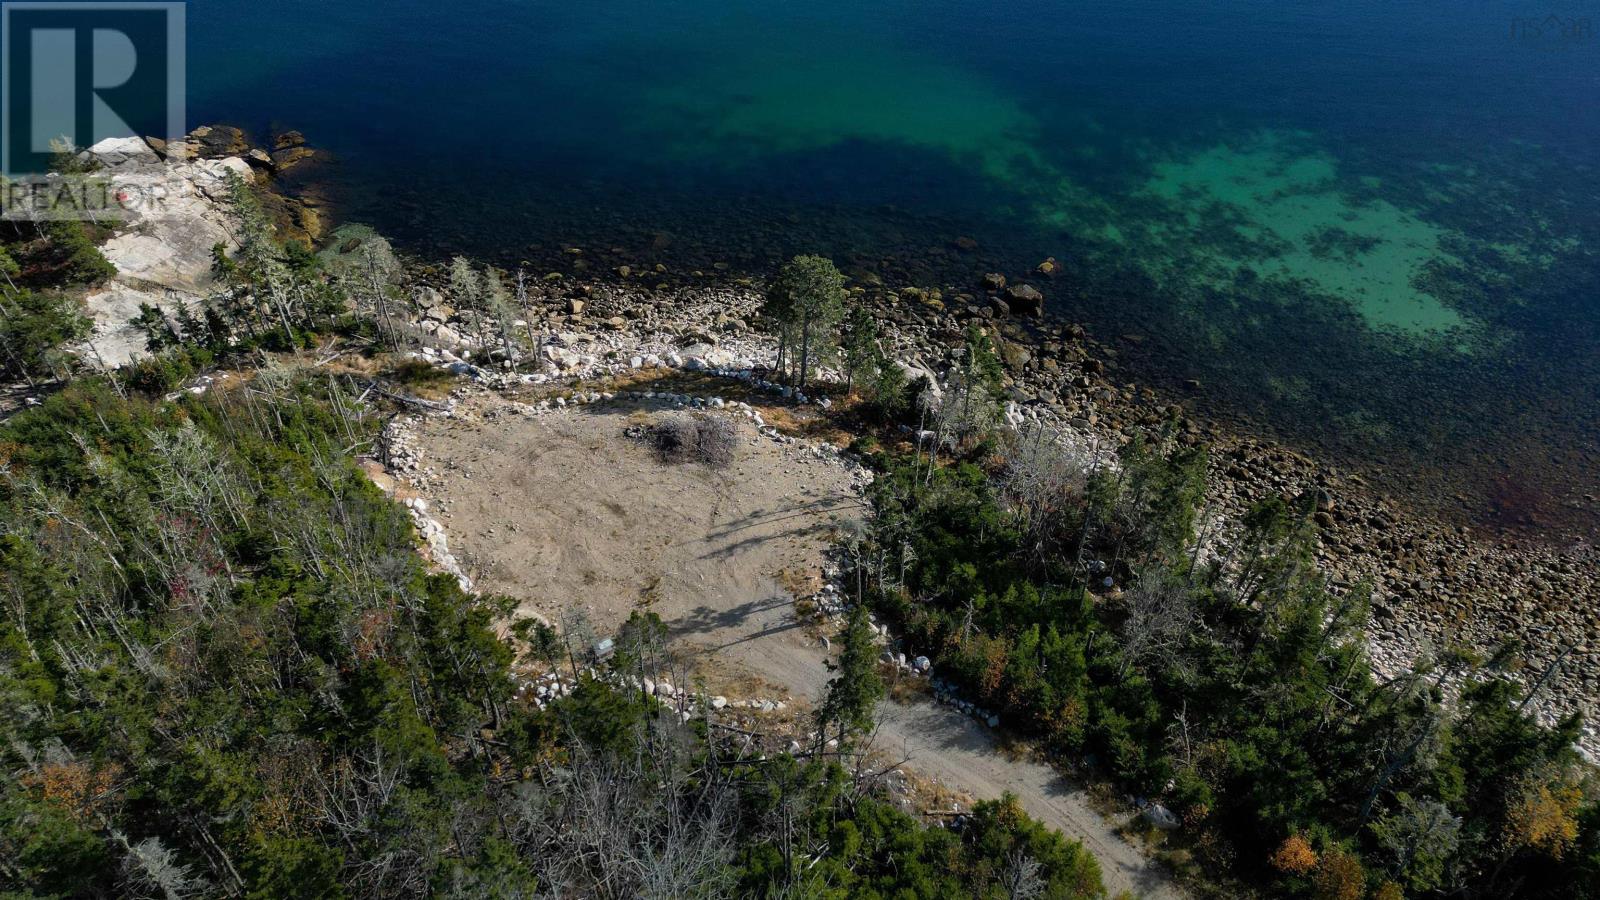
point(1369, 227)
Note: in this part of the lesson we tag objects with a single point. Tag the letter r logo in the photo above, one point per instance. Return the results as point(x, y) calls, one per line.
point(84, 72)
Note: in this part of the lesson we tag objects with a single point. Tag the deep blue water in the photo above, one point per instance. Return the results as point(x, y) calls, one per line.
point(1370, 225)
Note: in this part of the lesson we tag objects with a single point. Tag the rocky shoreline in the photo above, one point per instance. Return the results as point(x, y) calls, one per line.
point(1436, 584)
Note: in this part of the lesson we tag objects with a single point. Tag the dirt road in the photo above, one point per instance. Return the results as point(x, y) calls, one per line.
point(946, 745)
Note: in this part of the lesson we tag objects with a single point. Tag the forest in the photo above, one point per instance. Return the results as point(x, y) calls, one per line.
point(1094, 601)
point(224, 671)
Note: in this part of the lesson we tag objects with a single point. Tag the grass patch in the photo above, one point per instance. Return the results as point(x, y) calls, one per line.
point(422, 379)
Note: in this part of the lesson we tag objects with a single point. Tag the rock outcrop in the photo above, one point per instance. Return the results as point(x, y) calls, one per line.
point(177, 212)
point(175, 198)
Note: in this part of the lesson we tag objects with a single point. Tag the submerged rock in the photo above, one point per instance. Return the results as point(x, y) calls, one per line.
point(293, 156)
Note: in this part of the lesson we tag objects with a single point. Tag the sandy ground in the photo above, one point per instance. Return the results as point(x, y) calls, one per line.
point(565, 512)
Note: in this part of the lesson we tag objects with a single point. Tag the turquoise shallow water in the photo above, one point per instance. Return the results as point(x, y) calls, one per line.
point(1372, 226)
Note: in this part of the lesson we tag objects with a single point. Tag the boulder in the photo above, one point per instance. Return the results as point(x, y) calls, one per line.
point(260, 159)
point(561, 357)
point(444, 334)
point(994, 281)
point(918, 371)
point(294, 156)
point(1025, 300)
point(1161, 817)
point(1049, 268)
point(175, 151)
point(176, 213)
point(113, 152)
point(433, 305)
point(1016, 356)
point(287, 140)
point(216, 141)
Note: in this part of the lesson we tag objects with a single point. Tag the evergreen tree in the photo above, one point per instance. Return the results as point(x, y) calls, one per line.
point(861, 351)
point(805, 302)
point(982, 364)
point(855, 689)
point(33, 327)
point(888, 386)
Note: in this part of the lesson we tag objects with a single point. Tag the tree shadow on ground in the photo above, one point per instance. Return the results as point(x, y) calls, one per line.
point(706, 620)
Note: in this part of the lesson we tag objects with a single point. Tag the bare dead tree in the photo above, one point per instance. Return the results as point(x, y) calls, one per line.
point(1160, 614)
point(1044, 478)
point(643, 823)
point(152, 870)
point(1023, 878)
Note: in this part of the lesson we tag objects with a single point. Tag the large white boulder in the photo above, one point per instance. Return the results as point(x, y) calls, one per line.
point(113, 152)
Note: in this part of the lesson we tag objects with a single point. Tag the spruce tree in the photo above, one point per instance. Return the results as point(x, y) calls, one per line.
point(855, 689)
point(806, 303)
point(861, 353)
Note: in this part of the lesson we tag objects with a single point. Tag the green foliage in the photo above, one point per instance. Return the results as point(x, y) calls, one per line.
point(39, 315)
point(867, 848)
point(888, 389)
point(805, 302)
point(223, 671)
point(1421, 838)
point(855, 689)
point(250, 623)
point(32, 328)
point(78, 257)
point(870, 371)
point(166, 371)
point(982, 361)
point(271, 295)
point(861, 353)
point(1238, 693)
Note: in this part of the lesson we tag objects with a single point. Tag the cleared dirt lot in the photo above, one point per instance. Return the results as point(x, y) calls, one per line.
point(566, 512)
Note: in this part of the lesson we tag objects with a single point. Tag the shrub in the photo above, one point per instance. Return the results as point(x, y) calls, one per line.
point(32, 326)
point(160, 374)
point(1338, 876)
point(1294, 856)
point(698, 438)
point(81, 261)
